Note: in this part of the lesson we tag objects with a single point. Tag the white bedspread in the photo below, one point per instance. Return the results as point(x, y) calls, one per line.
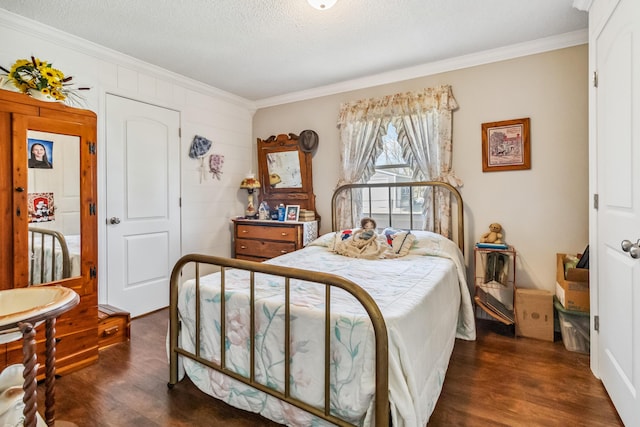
point(425, 302)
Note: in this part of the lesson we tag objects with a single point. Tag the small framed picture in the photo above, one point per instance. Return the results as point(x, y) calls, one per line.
point(292, 212)
point(40, 153)
point(506, 146)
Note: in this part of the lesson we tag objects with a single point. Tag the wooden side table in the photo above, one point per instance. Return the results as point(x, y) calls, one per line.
point(21, 310)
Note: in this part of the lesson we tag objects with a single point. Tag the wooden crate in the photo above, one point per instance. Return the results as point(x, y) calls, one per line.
point(114, 326)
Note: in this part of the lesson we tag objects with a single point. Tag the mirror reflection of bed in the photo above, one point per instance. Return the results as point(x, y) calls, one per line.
point(52, 256)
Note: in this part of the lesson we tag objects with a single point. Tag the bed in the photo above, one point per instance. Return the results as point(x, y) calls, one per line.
point(53, 256)
point(376, 353)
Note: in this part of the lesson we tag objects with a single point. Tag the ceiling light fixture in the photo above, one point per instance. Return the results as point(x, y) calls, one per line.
point(322, 4)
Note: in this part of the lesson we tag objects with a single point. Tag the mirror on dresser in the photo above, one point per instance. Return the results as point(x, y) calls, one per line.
point(285, 172)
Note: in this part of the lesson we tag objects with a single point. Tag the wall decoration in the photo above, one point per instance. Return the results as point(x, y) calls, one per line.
point(40, 207)
point(292, 212)
point(40, 80)
point(506, 145)
point(40, 153)
point(199, 148)
point(215, 165)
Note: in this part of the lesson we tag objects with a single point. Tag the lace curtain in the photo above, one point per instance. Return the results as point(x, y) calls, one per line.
point(423, 120)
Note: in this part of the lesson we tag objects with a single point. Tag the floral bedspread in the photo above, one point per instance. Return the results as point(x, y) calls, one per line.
point(425, 302)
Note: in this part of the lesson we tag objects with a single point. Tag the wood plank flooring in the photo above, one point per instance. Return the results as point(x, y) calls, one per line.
point(494, 381)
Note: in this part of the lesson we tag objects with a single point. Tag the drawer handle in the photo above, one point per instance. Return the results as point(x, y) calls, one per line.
point(245, 231)
point(283, 251)
point(110, 331)
point(284, 234)
point(243, 247)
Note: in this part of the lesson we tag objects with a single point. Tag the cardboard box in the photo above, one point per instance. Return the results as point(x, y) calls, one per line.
point(572, 291)
point(534, 314)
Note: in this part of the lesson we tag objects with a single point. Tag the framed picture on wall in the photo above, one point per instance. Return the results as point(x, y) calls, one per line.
point(292, 212)
point(506, 145)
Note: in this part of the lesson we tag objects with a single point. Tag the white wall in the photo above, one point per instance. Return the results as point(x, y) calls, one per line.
point(543, 210)
point(223, 118)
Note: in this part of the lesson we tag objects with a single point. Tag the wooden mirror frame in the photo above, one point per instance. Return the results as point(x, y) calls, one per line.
point(303, 195)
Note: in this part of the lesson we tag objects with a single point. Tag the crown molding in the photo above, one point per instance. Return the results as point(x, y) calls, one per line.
point(24, 25)
point(546, 44)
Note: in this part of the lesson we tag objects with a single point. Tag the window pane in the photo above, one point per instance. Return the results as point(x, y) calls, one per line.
point(391, 149)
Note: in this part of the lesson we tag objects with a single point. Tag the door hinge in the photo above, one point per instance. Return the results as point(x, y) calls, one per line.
point(595, 79)
point(92, 273)
point(595, 201)
point(180, 202)
point(596, 323)
point(92, 147)
point(179, 132)
point(92, 208)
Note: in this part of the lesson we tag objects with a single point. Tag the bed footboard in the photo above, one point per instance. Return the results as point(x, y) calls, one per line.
point(330, 281)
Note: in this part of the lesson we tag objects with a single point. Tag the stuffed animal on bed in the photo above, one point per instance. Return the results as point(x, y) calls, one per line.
point(494, 234)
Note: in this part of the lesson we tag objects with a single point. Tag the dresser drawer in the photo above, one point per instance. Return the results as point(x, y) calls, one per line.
point(284, 234)
point(263, 249)
point(113, 326)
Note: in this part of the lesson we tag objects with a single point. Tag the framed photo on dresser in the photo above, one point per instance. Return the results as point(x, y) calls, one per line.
point(292, 213)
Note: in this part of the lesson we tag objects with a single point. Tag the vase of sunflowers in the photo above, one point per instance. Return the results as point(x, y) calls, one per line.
point(41, 80)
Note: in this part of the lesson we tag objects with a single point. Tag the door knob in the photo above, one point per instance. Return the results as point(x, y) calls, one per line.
point(632, 248)
point(114, 220)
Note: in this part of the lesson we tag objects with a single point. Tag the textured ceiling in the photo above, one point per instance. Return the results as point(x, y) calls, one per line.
point(259, 49)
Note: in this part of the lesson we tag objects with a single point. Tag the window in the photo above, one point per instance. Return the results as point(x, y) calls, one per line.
point(392, 165)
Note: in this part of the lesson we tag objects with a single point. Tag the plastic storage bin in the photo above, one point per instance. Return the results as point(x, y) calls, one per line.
point(574, 327)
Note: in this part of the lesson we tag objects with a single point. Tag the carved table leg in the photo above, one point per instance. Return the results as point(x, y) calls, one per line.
point(50, 373)
point(30, 371)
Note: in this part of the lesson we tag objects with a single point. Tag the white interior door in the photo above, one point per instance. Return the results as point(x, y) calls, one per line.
point(617, 108)
point(143, 206)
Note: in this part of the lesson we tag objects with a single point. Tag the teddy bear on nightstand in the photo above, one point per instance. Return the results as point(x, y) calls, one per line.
point(494, 234)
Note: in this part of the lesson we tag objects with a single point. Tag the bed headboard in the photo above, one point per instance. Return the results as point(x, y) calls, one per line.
point(422, 205)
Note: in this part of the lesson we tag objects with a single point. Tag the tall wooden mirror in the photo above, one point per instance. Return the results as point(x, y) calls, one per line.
point(54, 195)
point(285, 172)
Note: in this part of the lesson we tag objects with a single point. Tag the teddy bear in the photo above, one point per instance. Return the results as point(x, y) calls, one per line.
point(494, 234)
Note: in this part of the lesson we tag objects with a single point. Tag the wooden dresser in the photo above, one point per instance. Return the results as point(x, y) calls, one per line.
point(258, 240)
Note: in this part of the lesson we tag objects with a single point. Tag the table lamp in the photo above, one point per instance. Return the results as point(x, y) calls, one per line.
point(250, 184)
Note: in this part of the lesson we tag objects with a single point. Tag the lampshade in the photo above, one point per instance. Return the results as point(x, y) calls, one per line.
point(274, 179)
point(322, 4)
point(250, 183)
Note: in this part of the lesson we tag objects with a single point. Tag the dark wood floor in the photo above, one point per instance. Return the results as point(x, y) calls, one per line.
point(494, 381)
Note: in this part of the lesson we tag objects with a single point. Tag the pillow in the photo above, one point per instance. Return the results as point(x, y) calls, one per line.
point(430, 243)
point(325, 240)
point(399, 240)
